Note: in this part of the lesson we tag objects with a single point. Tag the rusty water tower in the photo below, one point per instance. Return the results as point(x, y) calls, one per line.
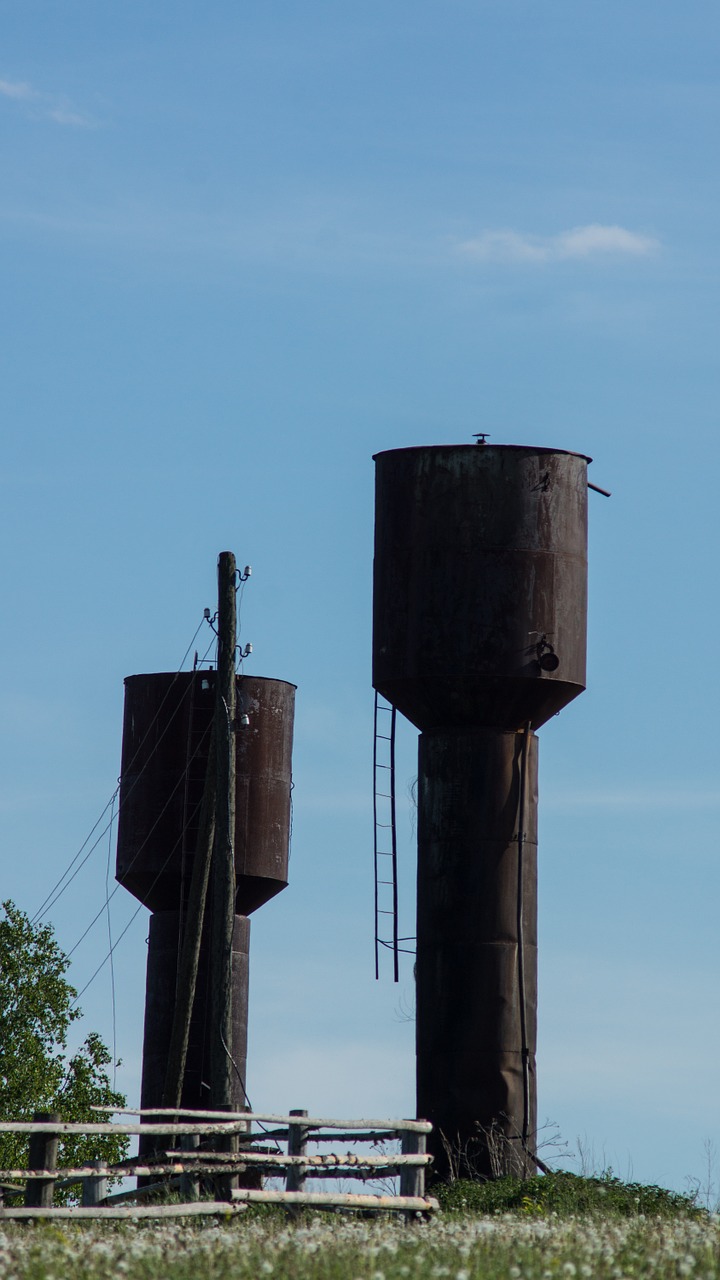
point(479, 637)
point(166, 738)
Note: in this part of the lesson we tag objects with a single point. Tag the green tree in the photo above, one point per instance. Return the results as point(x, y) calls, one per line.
point(36, 1072)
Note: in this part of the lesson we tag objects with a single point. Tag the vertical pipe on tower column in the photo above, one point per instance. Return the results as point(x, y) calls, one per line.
point(476, 995)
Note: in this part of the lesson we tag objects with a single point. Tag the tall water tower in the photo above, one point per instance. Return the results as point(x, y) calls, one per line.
point(166, 740)
point(480, 602)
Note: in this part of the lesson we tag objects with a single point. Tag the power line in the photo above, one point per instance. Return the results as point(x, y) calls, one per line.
point(110, 941)
point(59, 888)
point(135, 913)
point(51, 903)
point(63, 882)
point(141, 847)
point(41, 909)
point(139, 851)
point(109, 895)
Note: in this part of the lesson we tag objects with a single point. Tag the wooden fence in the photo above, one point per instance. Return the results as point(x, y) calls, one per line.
point(206, 1154)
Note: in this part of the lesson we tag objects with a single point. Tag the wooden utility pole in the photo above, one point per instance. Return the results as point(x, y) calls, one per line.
point(223, 858)
point(192, 937)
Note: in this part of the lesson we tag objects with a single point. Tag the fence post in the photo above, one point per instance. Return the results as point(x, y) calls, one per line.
point(226, 1183)
point(189, 1182)
point(94, 1190)
point(412, 1176)
point(42, 1155)
point(297, 1146)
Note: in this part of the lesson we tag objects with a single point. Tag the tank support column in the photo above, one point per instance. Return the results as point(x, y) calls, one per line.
point(159, 1005)
point(477, 949)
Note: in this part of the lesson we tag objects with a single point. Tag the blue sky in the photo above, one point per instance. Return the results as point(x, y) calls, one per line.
point(244, 248)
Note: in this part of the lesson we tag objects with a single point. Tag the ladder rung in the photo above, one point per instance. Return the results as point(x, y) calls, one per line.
point(383, 795)
point(391, 947)
point(384, 737)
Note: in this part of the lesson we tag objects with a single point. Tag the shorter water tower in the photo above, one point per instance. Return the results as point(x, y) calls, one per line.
point(166, 740)
point(479, 636)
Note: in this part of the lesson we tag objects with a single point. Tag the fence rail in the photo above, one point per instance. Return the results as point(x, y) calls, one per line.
point(199, 1165)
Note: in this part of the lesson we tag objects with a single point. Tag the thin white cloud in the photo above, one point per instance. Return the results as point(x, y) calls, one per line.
point(592, 241)
point(45, 105)
point(62, 115)
point(584, 242)
point(17, 89)
point(506, 246)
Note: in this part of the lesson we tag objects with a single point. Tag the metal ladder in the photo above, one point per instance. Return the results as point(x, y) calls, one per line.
point(386, 887)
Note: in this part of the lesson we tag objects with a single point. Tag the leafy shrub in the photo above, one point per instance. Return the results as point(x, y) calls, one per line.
point(37, 1008)
point(566, 1194)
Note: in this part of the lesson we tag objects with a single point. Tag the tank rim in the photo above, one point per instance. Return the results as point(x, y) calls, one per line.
point(494, 448)
point(244, 675)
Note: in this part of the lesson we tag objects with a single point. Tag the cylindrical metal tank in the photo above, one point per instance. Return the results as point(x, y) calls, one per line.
point(476, 906)
point(166, 735)
point(162, 964)
point(480, 583)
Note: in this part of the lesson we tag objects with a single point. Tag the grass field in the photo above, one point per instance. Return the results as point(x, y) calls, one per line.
point(452, 1247)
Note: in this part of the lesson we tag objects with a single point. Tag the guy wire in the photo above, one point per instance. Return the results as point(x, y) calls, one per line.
point(53, 896)
point(133, 917)
point(112, 962)
point(141, 847)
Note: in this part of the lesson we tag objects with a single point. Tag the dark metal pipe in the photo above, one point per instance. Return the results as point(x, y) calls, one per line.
point(477, 905)
point(520, 916)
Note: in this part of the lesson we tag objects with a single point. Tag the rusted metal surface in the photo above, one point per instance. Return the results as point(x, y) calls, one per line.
point(480, 583)
point(159, 1005)
point(263, 787)
point(472, 1037)
point(166, 735)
